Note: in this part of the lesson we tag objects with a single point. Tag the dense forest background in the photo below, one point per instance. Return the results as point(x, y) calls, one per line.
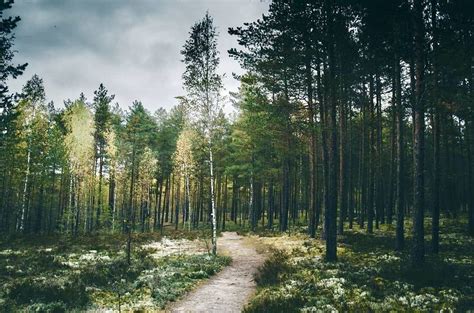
point(350, 113)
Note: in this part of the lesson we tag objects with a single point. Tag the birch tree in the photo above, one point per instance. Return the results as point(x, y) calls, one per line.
point(80, 147)
point(34, 96)
point(203, 84)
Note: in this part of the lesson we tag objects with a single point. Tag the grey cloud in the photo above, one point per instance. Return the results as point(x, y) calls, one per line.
point(133, 47)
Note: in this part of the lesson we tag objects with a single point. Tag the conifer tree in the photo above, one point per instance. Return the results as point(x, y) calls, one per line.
point(102, 121)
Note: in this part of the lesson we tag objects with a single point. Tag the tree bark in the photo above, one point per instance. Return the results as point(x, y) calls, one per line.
point(331, 208)
point(436, 137)
point(400, 175)
point(418, 247)
point(213, 206)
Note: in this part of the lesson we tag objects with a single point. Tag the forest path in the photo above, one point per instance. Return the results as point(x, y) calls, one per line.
point(230, 289)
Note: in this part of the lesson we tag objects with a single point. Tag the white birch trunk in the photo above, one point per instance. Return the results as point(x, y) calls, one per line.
point(213, 205)
point(27, 173)
point(251, 209)
point(25, 187)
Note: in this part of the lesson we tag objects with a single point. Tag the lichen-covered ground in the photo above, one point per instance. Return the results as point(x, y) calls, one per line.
point(369, 277)
point(89, 273)
point(50, 274)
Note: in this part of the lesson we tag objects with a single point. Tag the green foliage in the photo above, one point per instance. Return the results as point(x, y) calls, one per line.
point(201, 58)
point(275, 266)
point(51, 307)
point(103, 273)
point(273, 300)
point(70, 290)
point(79, 139)
point(8, 69)
point(169, 128)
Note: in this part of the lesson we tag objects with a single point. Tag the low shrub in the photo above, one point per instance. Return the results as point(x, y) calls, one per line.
point(270, 273)
point(103, 273)
point(177, 274)
point(52, 307)
point(368, 277)
point(273, 300)
point(69, 290)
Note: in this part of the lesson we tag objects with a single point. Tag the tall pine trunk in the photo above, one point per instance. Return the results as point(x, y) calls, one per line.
point(418, 247)
point(436, 137)
point(331, 208)
point(342, 166)
point(399, 111)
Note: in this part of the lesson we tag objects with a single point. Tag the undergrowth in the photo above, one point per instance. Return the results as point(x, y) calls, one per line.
point(369, 276)
point(91, 273)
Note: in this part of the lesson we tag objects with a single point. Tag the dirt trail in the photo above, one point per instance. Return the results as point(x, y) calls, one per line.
point(230, 289)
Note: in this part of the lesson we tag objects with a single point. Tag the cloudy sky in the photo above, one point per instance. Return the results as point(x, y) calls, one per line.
point(132, 46)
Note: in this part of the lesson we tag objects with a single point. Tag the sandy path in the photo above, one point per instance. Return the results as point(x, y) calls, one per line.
point(231, 288)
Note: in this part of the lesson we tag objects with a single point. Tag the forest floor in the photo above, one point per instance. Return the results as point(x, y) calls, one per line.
point(230, 289)
point(89, 273)
point(370, 276)
point(262, 271)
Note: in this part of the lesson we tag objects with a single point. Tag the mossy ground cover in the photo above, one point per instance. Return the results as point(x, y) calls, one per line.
point(57, 274)
point(369, 276)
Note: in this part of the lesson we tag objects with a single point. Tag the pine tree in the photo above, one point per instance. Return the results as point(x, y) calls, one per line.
point(33, 101)
point(7, 69)
point(418, 248)
point(102, 120)
point(138, 130)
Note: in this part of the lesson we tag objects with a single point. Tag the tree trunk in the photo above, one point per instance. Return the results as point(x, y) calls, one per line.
point(371, 158)
point(379, 190)
point(436, 137)
point(342, 166)
point(177, 203)
point(224, 207)
point(130, 209)
point(350, 175)
point(418, 248)
point(111, 196)
point(400, 175)
point(99, 200)
point(331, 208)
point(324, 141)
point(393, 153)
point(213, 206)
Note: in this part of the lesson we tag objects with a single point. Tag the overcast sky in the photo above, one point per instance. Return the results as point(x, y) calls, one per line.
point(132, 46)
